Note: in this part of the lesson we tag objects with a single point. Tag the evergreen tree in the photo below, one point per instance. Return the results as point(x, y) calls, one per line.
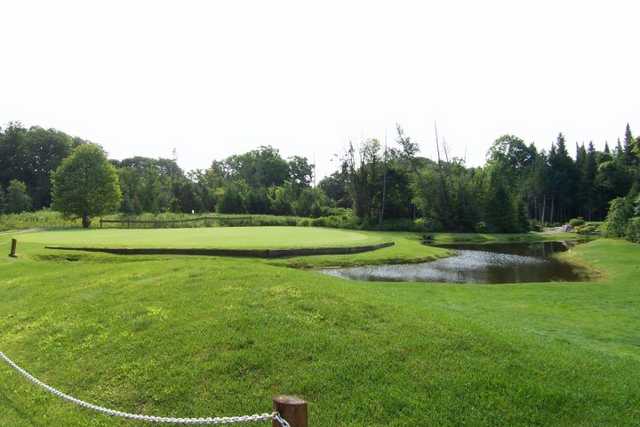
point(618, 153)
point(588, 174)
point(564, 181)
point(522, 218)
point(500, 215)
point(629, 142)
point(581, 156)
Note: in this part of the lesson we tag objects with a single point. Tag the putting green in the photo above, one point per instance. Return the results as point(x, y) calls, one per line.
point(217, 237)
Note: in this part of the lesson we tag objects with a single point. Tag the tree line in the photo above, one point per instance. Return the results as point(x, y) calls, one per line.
point(518, 186)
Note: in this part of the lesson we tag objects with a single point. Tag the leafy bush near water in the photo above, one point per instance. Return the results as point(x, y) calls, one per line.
point(588, 229)
point(633, 230)
point(623, 219)
point(576, 222)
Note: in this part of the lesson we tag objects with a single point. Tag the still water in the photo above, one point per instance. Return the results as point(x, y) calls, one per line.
point(477, 263)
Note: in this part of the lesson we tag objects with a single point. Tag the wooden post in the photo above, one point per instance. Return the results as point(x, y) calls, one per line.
point(292, 409)
point(14, 243)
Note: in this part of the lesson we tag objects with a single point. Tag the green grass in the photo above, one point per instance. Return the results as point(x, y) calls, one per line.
point(407, 248)
point(198, 336)
point(216, 237)
point(443, 238)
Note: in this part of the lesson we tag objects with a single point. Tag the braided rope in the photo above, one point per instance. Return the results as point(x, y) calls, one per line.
point(147, 418)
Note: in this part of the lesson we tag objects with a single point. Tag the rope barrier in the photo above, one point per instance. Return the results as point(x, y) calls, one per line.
point(148, 418)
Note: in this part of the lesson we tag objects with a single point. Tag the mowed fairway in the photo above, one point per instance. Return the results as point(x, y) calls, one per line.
point(213, 336)
point(214, 237)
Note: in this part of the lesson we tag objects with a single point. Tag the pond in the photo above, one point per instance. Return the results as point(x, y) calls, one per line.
point(478, 263)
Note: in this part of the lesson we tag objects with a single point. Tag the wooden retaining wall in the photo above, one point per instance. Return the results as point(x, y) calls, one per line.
point(245, 253)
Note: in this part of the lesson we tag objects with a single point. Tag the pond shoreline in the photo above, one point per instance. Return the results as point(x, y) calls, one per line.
point(481, 263)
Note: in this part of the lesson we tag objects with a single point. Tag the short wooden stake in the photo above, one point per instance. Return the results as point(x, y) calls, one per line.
point(292, 409)
point(14, 243)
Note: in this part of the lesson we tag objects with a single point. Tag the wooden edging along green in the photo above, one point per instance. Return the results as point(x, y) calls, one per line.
point(247, 253)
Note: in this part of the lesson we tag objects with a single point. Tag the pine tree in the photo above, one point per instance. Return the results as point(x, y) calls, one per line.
point(629, 143)
point(589, 170)
point(605, 155)
point(581, 156)
point(564, 179)
point(500, 215)
point(619, 153)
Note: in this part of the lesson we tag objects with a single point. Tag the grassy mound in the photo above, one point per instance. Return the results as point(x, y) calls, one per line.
point(201, 336)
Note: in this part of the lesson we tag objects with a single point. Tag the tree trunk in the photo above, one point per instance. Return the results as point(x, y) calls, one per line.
point(86, 221)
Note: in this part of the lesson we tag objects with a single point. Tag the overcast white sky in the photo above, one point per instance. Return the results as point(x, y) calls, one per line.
point(216, 78)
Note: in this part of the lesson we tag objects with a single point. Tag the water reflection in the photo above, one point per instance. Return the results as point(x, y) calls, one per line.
point(477, 263)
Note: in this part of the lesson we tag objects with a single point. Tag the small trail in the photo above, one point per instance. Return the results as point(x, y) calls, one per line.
point(26, 230)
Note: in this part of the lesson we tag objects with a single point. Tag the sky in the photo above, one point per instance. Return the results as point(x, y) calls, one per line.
point(210, 79)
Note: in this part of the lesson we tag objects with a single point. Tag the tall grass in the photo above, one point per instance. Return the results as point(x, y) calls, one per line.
point(39, 219)
point(53, 220)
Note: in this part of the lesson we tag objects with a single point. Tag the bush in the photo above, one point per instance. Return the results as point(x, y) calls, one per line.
point(620, 211)
point(319, 222)
point(481, 227)
point(632, 231)
point(339, 211)
point(304, 222)
point(535, 225)
point(576, 222)
point(587, 229)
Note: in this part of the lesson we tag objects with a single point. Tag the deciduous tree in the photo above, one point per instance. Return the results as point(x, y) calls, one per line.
point(17, 198)
point(86, 185)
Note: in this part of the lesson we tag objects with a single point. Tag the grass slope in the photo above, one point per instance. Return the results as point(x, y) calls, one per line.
point(192, 336)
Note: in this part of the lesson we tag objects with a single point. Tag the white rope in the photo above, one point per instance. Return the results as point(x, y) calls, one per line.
point(147, 418)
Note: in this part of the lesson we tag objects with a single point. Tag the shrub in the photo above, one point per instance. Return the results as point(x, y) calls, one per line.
point(304, 222)
point(481, 227)
point(319, 222)
point(632, 231)
point(587, 229)
point(535, 225)
point(427, 224)
point(620, 211)
point(339, 211)
point(576, 222)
